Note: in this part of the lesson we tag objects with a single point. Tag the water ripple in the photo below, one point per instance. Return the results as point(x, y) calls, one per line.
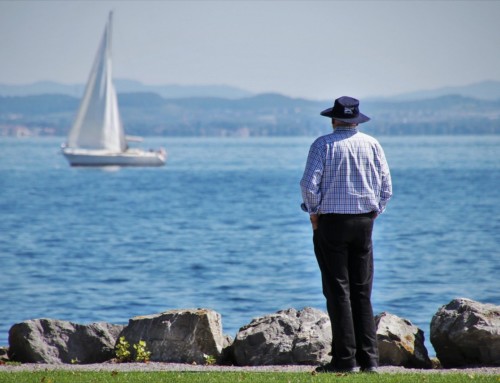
point(220, 227)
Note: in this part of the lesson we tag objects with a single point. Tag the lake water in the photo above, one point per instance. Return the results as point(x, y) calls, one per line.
point(220, 227)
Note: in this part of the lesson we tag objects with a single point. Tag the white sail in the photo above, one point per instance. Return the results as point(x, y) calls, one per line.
point(97, 137)
point(98, 123)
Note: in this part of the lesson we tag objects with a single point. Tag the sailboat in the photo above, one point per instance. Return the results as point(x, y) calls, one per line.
point(97, 137)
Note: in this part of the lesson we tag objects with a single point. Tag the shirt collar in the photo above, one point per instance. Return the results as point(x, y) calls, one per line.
point(346, 129)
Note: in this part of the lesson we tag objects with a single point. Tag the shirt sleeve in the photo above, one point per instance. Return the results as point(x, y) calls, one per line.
point(311, 181)
point(386, 182)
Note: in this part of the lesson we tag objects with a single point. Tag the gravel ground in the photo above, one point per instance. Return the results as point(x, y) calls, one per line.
point(154, 366)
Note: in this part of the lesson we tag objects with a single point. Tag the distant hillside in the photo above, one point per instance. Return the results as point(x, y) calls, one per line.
point(486, 90)
point(181, 91)
point(450, 114)
point(126, 86)
point(38, 105)
point(149, 114)
point(42, 87)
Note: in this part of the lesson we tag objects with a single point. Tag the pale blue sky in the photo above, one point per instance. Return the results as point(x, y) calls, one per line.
point(312, 49)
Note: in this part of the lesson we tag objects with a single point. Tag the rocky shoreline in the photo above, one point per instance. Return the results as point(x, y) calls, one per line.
point(464, 333)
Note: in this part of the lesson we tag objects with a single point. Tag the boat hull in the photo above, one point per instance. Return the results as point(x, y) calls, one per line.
point(100, 158)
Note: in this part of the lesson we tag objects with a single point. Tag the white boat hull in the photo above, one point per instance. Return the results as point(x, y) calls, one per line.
point(99, 158)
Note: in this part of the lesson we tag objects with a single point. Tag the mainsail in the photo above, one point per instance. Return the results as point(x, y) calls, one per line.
point(98, 124)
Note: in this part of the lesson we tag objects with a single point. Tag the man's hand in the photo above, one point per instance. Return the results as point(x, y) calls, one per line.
point(314, 221)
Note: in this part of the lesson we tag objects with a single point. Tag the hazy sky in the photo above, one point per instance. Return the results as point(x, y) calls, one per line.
point(313, 49)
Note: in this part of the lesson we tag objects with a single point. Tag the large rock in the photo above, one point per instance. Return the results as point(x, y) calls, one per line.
point(400, 343)
point(286, 337)
point(178, 336)
point(4, 354)
point(467, 333)
point(55, 342)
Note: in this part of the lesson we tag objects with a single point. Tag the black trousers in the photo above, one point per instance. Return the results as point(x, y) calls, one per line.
point(343, 247)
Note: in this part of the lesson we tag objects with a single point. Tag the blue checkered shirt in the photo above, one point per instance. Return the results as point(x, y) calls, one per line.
point(346, 173)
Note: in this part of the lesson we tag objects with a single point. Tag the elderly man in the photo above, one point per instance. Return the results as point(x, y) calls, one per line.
point(345, 186)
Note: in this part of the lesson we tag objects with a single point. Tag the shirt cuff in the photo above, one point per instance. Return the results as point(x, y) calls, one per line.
point(304, 208)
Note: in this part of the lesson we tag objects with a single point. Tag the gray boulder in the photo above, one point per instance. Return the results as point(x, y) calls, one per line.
point(286, 337)
point(178, 336)
point(400, 343)
point(466, 333)
point(55, 342)
point(4, 354)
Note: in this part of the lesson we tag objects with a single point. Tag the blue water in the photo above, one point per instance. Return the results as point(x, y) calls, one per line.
point(220, 227)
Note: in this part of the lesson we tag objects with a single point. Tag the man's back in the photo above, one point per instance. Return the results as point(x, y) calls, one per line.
point(346, 173)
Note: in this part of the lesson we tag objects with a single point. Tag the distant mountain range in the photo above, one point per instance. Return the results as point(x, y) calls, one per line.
point(126, 86)
point(485, 90)
point(198, 111)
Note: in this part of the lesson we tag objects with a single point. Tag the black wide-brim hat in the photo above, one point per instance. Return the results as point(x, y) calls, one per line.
point(346, 109)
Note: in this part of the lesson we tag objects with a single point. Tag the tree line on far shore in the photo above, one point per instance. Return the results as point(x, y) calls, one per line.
point(149, 114)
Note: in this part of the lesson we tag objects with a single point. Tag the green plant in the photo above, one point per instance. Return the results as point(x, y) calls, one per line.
point(210, 360)
point(122, 350)
point(141, 352)
point(123, 354)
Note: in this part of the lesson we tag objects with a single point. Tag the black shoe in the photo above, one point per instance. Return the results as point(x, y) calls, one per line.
point(369, 370)
point(331, 369)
